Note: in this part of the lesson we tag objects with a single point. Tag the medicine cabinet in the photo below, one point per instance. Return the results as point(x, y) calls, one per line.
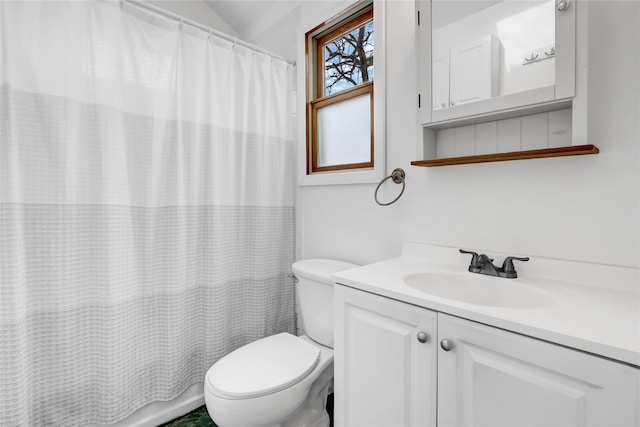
point(496, 79)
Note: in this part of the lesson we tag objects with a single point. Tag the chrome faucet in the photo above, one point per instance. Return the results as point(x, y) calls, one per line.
point(482, 264)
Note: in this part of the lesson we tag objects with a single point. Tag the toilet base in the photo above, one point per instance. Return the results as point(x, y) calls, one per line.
point(313, 412)
point(310, 413)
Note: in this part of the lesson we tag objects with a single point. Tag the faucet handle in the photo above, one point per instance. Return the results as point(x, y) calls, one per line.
point(474, 255)
point(473, 266)
point(507, 266)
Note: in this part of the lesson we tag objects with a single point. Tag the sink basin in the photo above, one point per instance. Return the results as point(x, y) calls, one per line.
point(479, 289)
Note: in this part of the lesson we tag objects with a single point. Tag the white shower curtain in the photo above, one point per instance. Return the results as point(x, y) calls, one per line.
point(146, 207)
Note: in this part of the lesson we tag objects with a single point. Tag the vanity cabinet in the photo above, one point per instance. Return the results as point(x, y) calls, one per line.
point(466, 373)
point(492, 377)
point(384, 374)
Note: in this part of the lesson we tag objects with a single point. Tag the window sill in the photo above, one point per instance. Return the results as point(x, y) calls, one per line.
point(363, 176)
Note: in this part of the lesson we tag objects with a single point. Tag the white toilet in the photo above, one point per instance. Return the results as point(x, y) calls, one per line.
point(282, 380)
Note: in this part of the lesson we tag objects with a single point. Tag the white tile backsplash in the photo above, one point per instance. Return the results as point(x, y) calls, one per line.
point(445, 143)
point(560, 128)
point(464, 141)
point(509, 134)
point(487, 138)
point(532, 132)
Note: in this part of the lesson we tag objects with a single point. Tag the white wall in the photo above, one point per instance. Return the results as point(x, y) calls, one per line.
point(580, 208)
point(584, 208)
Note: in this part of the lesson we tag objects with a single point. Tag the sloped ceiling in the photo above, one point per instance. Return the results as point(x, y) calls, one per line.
point(241, 15)
point(253, 20)
point(273, 24)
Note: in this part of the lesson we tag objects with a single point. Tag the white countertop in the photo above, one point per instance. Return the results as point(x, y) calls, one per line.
point(600, 314)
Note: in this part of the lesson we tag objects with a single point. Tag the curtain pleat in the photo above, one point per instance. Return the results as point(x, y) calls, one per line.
point(146, 208)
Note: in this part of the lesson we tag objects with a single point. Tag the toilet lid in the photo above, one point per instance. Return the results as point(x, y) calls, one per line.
point(264, 366)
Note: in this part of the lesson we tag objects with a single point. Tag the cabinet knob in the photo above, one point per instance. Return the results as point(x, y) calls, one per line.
point(423, 337)
point(562, 5)
point(452, 103)
point(446, 345)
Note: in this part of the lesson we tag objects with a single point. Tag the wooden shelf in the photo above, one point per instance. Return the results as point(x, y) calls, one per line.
point(572, 150)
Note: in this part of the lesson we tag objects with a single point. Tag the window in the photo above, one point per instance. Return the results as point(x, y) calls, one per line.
point(340, 98)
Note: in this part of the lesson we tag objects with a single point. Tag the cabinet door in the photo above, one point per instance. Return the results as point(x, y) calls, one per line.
point(491, 377)
point(440, 87)
point(384, 376)
point(474, 71)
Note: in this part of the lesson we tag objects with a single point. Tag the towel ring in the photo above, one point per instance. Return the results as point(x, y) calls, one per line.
point(397, 176)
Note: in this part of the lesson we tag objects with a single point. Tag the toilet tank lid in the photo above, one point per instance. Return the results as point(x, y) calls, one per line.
point(263, 367)
point(320, 269)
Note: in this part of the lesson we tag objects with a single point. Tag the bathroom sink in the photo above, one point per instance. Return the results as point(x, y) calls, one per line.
point(478, 289)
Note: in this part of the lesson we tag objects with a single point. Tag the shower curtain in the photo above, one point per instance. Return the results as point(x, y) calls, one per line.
point(146, 207)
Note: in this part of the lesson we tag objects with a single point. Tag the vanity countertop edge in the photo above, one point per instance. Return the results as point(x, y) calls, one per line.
point(602, 320)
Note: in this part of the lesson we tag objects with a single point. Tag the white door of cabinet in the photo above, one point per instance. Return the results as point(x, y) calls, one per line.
point(440, 86)
point(384, 376)
point(492, 377)
point(474, 71)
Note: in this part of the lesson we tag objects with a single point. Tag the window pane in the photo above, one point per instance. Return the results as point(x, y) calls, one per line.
point(348, 59)
point(344, 132)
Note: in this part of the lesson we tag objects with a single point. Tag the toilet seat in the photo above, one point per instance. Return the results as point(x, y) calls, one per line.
point(263, 367)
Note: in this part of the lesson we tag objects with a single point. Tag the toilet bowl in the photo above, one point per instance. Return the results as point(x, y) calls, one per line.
point(250, 403)
point(282, 380)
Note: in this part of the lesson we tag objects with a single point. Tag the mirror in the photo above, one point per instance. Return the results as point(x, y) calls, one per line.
point(489, 48)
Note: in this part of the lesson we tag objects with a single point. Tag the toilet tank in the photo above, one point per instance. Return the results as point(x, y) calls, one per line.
point(315, 296)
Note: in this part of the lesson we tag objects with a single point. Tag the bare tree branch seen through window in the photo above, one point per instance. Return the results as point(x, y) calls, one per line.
point(348, 59)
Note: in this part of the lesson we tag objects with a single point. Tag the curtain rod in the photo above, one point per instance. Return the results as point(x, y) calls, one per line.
point(144, 5)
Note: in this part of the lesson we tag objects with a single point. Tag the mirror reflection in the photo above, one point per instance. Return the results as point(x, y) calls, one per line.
point(488, 48)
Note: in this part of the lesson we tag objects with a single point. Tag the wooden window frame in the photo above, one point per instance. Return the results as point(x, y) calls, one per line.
point(363, 89)
point(315, 39)
point(352, 23)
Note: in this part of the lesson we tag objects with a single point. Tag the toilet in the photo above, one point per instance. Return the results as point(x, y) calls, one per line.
point(282, 380)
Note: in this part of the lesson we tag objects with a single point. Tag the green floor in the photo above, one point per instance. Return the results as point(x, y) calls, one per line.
point(197, 418)
point(200, 417)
